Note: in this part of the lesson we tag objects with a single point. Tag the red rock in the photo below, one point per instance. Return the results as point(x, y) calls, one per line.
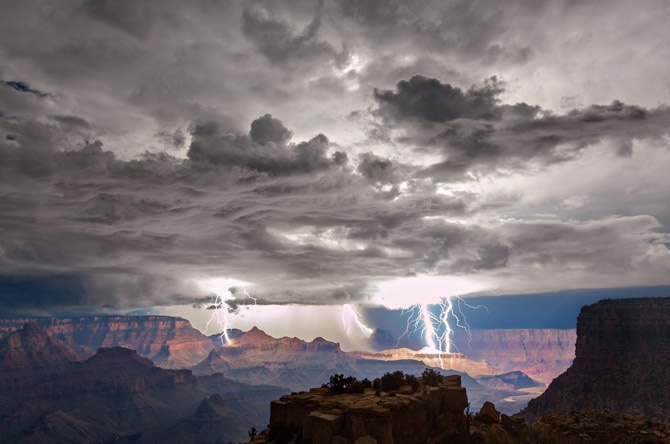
point(622, 361)
point(168, 341)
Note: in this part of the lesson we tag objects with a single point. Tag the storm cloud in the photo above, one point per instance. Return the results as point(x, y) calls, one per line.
point(316, 149)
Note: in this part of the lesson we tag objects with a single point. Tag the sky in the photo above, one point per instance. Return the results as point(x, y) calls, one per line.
point(306, 156)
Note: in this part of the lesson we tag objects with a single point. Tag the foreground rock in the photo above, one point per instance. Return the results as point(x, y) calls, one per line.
point(401, 416)
point(622, 361)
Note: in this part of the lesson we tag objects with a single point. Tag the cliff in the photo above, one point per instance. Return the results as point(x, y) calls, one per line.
point(622, 361)
point(168, 341)
point(542, 354)
point(401, 416)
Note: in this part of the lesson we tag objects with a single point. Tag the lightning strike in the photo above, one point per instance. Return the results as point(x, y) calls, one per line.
point(221, 308)
point(349, 311)
point(220, 317)
point(436, 330)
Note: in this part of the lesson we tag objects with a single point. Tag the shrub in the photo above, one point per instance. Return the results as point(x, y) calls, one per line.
point(392, 381)
point(376, 384)
point(432, 377)
point(339, 384)
point(412, 381)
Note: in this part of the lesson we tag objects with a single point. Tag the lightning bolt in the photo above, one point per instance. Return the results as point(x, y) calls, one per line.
point(436, 330)
point(221, 318)
point(350, 311)
point(223, 303)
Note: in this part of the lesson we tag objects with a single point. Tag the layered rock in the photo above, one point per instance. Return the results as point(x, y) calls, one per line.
point(445, 361)
point(542, 354)
point(622, 361)
point(384, 418)
point(114, 396)
point(29, 356)
point(168, 341)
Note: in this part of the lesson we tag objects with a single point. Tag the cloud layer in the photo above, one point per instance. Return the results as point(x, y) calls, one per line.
point(316, 149)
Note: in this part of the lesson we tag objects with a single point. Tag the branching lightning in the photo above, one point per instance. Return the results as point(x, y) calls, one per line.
point(220, 315)
point(436, 329)
point(221, 307)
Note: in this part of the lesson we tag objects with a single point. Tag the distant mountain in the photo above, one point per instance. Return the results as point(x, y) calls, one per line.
point(622, 361)
point(258, 358)
point(447, 361)
point(114, 396)
point(541, 353)
point(169, 342)
point(509, 381)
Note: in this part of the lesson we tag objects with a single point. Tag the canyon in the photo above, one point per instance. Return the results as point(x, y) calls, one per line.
point(116, 395)
point(257, 358)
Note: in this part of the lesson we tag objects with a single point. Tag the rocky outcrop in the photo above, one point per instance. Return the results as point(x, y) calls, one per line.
point(401, 416)
point(622, 361)
point(168, 341)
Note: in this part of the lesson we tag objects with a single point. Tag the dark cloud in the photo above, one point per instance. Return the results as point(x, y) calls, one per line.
point(268, 129)
point(473, 130)
point(23, 87)
point(426, 99)
point(264, 149)
point(376, 169)
point(72, 121)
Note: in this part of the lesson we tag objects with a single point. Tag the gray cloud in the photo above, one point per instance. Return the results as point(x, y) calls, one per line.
point(500, 181)
point(275, 39)
point(264, 149)
point(268, 129)
point(426, 99)
point(474, 129)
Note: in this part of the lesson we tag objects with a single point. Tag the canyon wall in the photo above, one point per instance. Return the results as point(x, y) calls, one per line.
point(622, 361)
point(542, 354)
point(169, 342)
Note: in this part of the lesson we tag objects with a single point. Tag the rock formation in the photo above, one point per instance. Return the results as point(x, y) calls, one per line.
point(115, 396)
point(447, 361)
point(542, 354)
point(29, 356)
point(401, 416)
point(622, 361)
point(168, 341)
